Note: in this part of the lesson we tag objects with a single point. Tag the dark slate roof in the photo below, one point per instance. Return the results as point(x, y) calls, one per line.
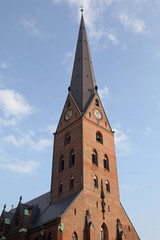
point(54, 210)
point(41, 202)
point(83, 79)
point(42, 209)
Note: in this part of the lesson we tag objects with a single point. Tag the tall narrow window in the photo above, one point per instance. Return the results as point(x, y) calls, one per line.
point(99, 137)
point(104, 232)
point(74, 236)
point(97, 102)
point(95, 181)
point(50, 236)
point(68, 103)
point(67, 138)
point(61, 164)
point(72, 158)
point(106, 162)
point(60, 187)
point(107, 186)
point(94, 157)
point(71, 182)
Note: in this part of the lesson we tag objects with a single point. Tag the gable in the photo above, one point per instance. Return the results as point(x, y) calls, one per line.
point(95, 113)
point(69, 114)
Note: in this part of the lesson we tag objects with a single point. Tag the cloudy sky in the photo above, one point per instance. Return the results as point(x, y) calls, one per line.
point(37, 46)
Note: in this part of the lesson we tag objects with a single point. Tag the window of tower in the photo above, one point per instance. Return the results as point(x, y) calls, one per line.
point(60, 187)
point(67, 138)
point(97, 102)
point(99, 137)
point(106, 162)
point(94, 157)
point(61, 164)
point(72, 158)
point(104, 232)
point(96, 181)
point(71, 182)
point(107, 186)
point(74, 236)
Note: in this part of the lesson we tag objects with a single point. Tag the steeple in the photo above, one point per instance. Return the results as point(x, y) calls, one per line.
point(83, 80)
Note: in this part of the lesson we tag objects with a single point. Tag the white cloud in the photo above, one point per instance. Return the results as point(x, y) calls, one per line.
point(4, 65)
point(29, 140)
point(30, 26)
point(13, 104)
point(113, 39)
point(148, 131)
point(19, 166)
point(104, 92)
point(7, 122)
point(16, 165)
point(133, 24)
point(121, 142)
point(52, 128)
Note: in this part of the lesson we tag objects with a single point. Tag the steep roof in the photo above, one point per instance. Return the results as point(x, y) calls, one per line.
point(42, 209)
point(83, 82)
point(55, 210)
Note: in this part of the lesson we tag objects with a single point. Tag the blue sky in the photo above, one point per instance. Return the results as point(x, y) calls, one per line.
point(37, 46)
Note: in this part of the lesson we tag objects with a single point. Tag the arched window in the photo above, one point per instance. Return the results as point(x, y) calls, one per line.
point(106, 162)
point(72, 158)
point(61, 164)
point(74, 236)
point(60, 187)
point(67, 138)
point(50, 236)
point(95, 181)
point(97, 102)
point(107, 186)
point(104, 232)
point(71, 182)
point(99, 137)
point(68, 103)
point(94, 157)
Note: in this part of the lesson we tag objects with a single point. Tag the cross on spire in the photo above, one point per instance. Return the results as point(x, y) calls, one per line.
point(82, 9)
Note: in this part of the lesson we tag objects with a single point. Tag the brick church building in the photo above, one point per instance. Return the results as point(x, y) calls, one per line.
point(84, 202)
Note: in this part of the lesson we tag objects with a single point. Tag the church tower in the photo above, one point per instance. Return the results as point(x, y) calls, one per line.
point(84, 151)
point(84, 160)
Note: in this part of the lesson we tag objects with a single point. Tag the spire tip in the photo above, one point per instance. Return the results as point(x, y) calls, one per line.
point(82, 9)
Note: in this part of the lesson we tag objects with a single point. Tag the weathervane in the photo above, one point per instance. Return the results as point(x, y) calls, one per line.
point(82, 9)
